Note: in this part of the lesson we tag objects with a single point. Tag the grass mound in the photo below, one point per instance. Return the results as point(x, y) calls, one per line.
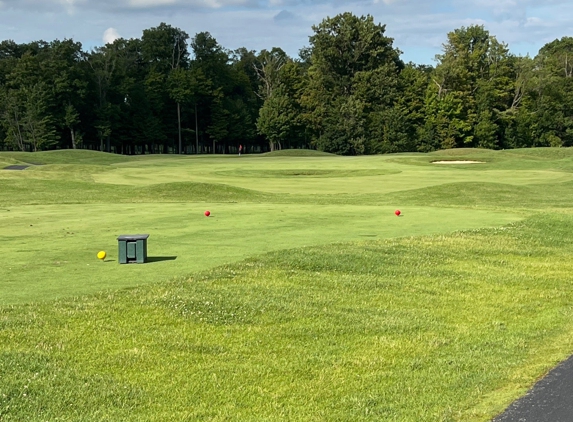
point(307, 173)
point(297, 153)
point(78, 156)
point(544, 153)
point(208, 192)
point(493, 195)
point(529, 154)
point(341, 331)
point(6, 161)
point(40, 191)
point(456, 152)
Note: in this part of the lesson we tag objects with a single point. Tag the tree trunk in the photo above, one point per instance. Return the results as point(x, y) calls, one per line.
point(20, 137)
point(73, 138)
point(196, 132)
point(179, 124)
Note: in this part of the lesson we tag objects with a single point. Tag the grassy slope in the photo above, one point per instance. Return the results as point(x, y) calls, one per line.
point(297, 153)
point(424, 328)
point(433, 328)
point(52, 247)
point(64, 157)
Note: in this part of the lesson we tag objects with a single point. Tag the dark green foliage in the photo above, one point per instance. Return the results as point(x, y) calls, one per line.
point(347, 93)
point(472, 84)
point(282, 118)
point(352, 80)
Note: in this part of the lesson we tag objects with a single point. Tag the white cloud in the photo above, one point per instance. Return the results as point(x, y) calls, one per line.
point(185, 4)
point(110, 35)
point(151, 3)
point(419, 27)
point(69, 6)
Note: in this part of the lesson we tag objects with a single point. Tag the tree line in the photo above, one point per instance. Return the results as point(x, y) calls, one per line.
point(347, 93)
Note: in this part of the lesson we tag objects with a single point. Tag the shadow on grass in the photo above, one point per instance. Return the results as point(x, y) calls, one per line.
point(151, 259)
point(16, 167)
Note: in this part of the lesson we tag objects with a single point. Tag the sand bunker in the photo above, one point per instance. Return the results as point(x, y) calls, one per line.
point(458, 162)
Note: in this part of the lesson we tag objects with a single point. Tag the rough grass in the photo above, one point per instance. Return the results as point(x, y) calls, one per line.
point(434, 318)
point(420, 329)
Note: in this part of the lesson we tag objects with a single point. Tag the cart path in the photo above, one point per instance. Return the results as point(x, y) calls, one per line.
point(550, 400)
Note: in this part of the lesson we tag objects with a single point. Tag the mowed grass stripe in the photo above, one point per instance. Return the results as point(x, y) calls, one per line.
point(418, 329)
point(50, 250)
point(24, 191)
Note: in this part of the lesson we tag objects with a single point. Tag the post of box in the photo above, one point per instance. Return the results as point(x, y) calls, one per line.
point(132, 248)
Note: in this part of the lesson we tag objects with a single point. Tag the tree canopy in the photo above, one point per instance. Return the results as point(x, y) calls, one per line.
point(348, 92)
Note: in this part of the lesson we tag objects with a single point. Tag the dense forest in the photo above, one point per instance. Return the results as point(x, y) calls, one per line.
point(348, 93)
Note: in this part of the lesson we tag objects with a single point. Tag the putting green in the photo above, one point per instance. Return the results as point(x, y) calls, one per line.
point(326, 175)
point(51, 243)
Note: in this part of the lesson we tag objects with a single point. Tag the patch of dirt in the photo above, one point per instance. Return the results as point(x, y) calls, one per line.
point(458, 162)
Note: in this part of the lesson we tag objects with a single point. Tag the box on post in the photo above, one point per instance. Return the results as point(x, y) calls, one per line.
point(132, 248)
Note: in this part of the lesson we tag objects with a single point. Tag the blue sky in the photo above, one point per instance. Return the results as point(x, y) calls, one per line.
point(419, 27)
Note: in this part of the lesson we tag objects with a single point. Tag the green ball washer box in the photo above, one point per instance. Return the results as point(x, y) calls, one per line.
point(132, 248)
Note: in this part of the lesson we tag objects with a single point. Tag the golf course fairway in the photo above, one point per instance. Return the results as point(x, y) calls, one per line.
point(302, 296)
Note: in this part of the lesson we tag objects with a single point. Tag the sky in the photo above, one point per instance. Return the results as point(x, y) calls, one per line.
point(418, 27)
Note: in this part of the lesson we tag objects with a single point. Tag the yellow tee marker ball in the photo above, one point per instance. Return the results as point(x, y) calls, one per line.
point(101, 255)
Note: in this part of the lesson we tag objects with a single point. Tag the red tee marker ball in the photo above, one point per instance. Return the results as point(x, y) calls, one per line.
point(397, 212)
point(207, 213)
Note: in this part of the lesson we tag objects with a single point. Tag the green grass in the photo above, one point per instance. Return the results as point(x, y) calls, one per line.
point(302, 298)
point(52, 248)
point(297, 153)
point(65, 157)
